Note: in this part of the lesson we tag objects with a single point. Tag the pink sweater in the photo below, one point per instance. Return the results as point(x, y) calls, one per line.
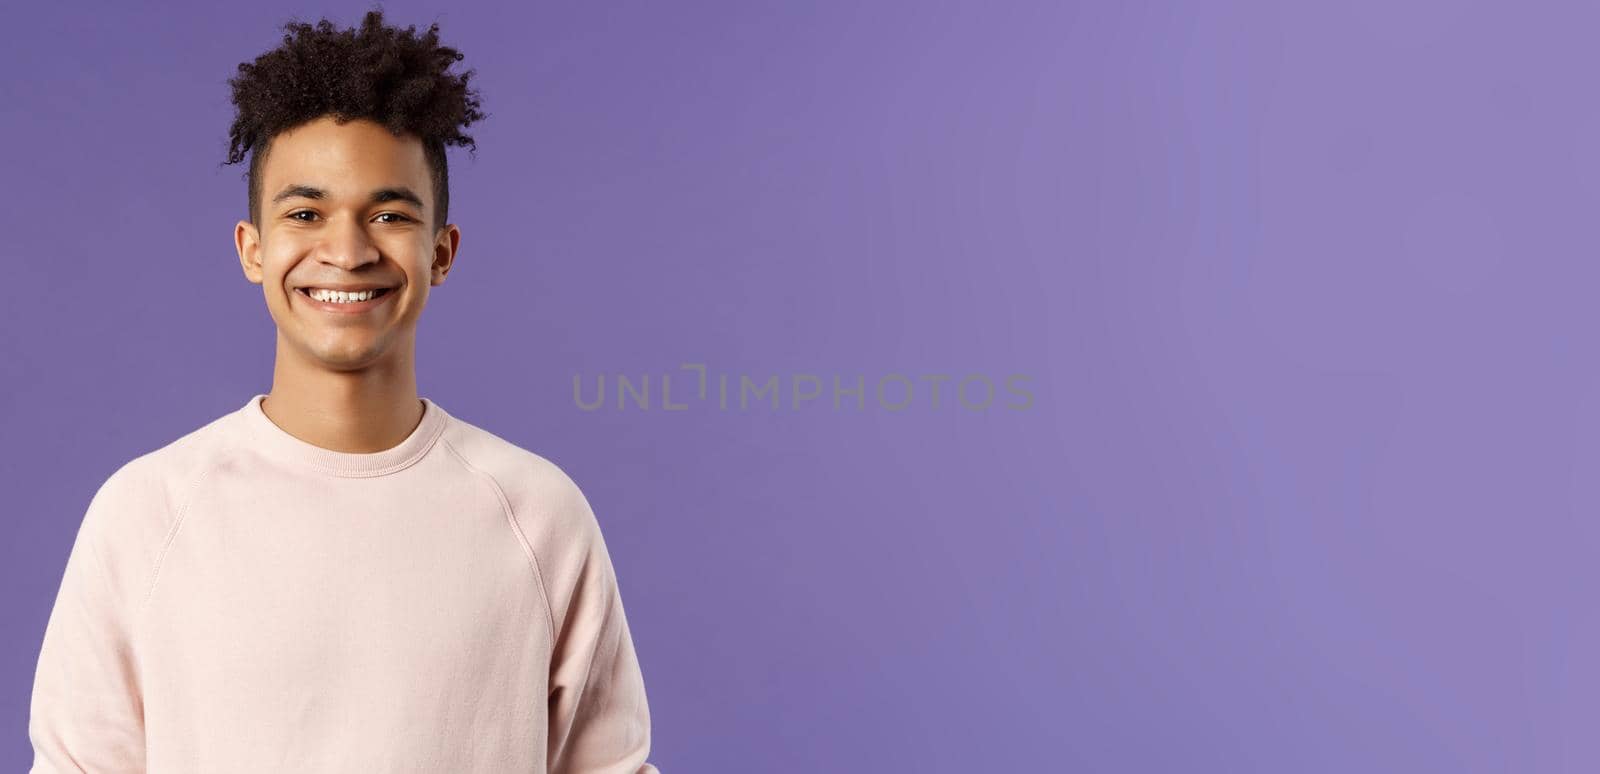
point(240, 600)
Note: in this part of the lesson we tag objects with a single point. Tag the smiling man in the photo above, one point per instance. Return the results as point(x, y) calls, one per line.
point(341, 576)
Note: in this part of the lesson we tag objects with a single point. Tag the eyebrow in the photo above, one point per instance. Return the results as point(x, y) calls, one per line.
point(379, 196)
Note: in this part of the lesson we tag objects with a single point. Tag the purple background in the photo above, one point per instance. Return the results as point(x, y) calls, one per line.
point(1305, 294)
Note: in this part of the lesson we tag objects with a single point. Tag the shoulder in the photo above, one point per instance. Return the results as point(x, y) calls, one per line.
point(133, 512)
point(158, 481)
point(533, 487)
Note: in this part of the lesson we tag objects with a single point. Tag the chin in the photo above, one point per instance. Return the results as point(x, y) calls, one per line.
point(345, 358)
point(347, 364)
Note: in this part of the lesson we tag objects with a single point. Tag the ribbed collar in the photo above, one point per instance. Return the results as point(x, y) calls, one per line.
point(268, 438)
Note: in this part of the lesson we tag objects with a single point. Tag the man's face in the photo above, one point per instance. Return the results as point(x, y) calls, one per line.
point(336, 214)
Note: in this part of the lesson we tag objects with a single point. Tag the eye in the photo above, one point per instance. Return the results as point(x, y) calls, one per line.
point(394, 214)
point(295, 215)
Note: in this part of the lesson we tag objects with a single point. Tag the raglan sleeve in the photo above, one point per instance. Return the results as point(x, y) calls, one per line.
point(599, 718)
point(87, 714)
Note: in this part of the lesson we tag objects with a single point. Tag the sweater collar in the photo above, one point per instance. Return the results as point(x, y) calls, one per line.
point(268, 438)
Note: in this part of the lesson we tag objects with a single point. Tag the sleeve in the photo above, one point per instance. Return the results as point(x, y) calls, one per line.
point(87, 713)
point(598, 713)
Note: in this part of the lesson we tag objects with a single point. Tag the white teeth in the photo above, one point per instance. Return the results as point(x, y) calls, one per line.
point(340, 296)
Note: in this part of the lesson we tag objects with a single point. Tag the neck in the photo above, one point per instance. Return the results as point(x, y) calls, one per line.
point(361, 411)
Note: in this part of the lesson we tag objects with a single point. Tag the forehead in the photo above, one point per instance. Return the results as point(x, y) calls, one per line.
point(344, 159)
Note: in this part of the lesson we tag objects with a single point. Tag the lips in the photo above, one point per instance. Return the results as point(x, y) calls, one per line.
point(306, 290)
point(346, 307)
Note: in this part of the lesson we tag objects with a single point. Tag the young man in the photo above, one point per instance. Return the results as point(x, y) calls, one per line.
point(340, 576)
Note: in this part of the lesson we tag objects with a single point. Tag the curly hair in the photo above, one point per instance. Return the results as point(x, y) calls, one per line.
point(384, 74)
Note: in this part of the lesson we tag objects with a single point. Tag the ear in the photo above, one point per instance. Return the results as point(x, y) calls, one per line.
point(445, 247)
point(247, 240)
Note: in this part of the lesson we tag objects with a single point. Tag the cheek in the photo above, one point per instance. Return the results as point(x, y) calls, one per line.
point(275, 267)
point(274, 280)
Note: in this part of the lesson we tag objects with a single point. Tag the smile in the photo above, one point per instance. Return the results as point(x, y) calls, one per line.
point(345, 301)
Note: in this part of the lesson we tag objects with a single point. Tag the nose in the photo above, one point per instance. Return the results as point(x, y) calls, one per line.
point(346, 245)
